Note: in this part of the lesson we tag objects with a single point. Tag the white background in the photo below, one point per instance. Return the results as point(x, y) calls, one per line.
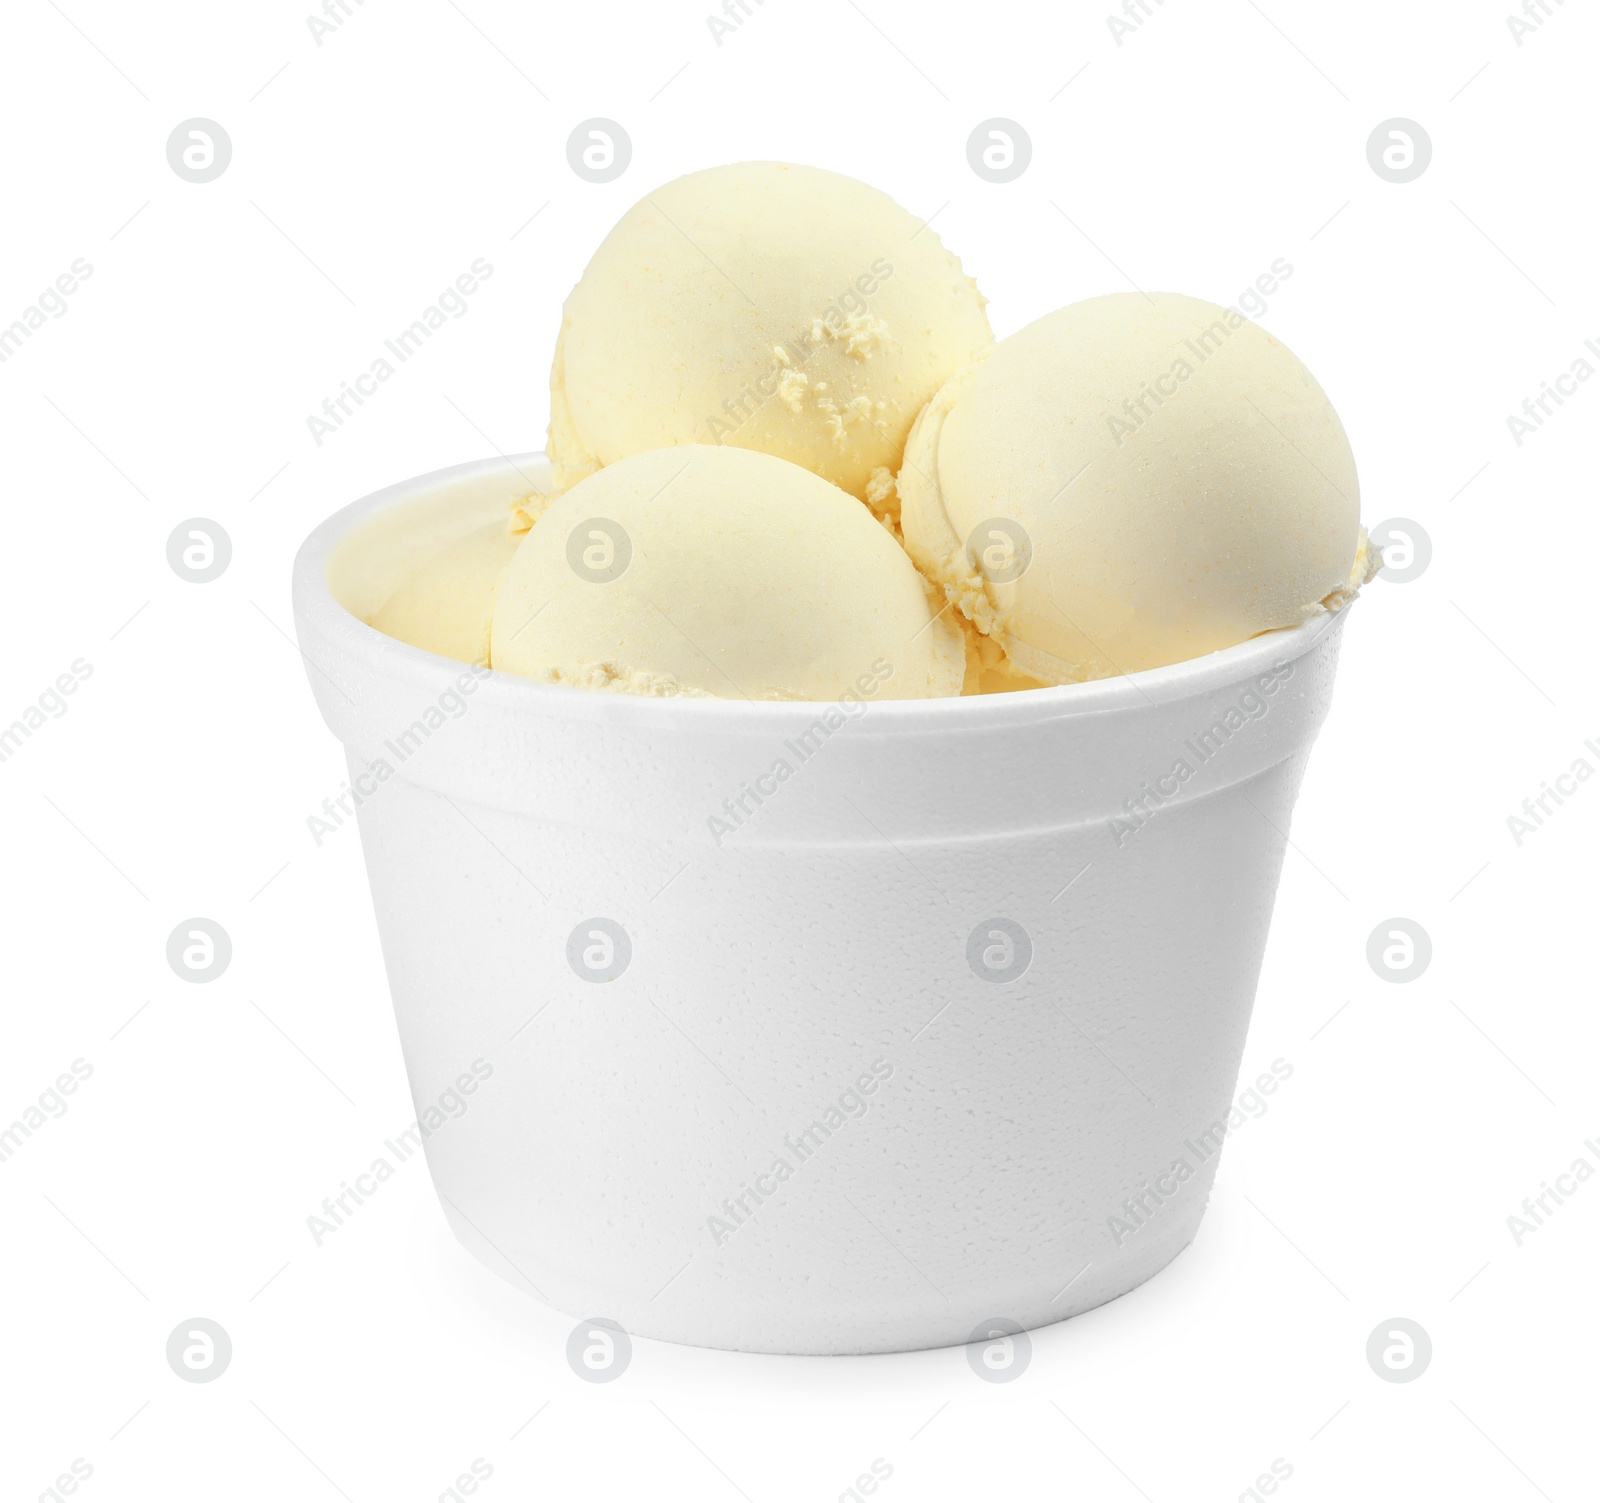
point(368, 172)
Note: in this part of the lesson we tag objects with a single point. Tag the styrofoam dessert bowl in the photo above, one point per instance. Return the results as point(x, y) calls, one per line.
point(790, 1027)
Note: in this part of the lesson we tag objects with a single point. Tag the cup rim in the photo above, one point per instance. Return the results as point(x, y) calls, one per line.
point(317, 608)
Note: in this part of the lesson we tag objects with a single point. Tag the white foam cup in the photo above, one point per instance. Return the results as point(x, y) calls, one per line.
point(790, 1027)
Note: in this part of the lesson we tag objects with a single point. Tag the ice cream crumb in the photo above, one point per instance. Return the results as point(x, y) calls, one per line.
point(621, 680)
point(965, 589)
point(1368, 561)
point(792, 389)
point(526, 510)
point(883, 498)
point(860, 333)
point(838, 418)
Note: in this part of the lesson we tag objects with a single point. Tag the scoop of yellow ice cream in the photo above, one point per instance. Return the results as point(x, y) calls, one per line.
point(718, 571)
point(445, 605)
point(763, 306)
point(1132, 481)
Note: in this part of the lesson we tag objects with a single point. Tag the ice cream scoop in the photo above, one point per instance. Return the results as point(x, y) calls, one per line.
point(700, 570)
point(1131, 481)
point(761, 306)
point(445, 605)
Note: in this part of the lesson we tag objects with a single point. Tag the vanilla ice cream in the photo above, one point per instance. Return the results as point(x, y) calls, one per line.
point(1131, 481)
point(699, 570)
point(444, 606)
point(762, 306)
